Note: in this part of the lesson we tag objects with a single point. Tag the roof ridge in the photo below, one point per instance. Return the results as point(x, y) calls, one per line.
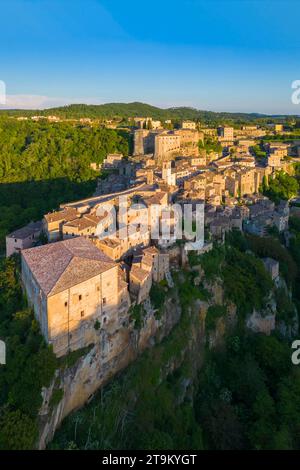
point(65, 268)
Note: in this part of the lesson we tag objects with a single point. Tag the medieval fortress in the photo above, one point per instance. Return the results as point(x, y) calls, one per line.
point(85, 281)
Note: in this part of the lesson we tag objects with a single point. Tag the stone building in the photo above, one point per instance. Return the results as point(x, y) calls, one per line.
point(188, 125)
point(24, 237)
point(152, 260)
point(89, 225)
point(140, 283)
point(169, 173)
point(167, 145)
point(73, 286)
point(148, 265)
point(112, 161)
point(274, 160)
point(110, 246)
point(54, 221)
point(226, 133)
point(144, 141)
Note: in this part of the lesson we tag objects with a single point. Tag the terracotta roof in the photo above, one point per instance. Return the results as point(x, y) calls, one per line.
point(151, 249)
point(139, 273)
point(110, 242)
point(81, 223)
point(68, 213)
point(157, 198)
point(58, 266)
point(25, 232)
point(96, 218)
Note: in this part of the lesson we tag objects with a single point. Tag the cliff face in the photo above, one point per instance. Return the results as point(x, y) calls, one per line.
point(74, 386)
point(209, 321)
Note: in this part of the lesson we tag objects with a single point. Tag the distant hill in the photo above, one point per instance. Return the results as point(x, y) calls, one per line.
point(127, 110)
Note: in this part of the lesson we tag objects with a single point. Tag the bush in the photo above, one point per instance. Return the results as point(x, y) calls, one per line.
point(17, 430)
point(246, 281)
point(136, 315)
point(214, 312)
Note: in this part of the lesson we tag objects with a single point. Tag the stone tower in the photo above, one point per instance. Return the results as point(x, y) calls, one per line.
point(150, 178)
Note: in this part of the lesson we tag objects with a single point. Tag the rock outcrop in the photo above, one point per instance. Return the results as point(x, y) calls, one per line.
point(110, 355)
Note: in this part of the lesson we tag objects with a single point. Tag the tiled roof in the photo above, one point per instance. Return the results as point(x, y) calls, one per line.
point(68, 213)
point(58, 266)
point(81, 223)
point(151, 249)
point(25, 232)
point(139, 273)
point(157, 198)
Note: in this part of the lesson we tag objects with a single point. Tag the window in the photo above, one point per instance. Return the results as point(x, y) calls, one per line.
point(66, 304)
point(104, 300)
point(80, 297)
point(82, 313)
point(15, 240)
point(104, 320)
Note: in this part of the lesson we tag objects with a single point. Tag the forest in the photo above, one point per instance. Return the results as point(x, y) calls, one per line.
point(282, 186)
point(44, 164)
point(243, 394)
point(126, 110)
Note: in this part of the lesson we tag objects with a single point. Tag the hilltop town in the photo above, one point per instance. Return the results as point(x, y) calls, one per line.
point(82, 280)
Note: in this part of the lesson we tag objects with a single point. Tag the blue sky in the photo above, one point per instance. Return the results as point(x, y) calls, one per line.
point(220, 55)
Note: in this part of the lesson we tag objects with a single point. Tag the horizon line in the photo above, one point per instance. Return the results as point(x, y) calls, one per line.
point(66, 105)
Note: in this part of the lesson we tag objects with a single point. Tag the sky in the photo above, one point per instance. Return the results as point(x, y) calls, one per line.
point(218, 55)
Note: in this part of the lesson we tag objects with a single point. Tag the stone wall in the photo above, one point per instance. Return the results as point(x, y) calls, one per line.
point(108, 356)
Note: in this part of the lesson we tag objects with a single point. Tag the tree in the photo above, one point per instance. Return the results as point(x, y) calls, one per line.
point(283, 186)
point(17, 431)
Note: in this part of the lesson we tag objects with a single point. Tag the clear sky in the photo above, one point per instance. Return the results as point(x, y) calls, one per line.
point(220, 55)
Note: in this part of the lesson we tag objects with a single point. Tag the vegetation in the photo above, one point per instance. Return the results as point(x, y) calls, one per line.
point(294, 250)
point(44, 164)
point(30, 363)
point(246, 281)
point(38, 151)
point(272, 248)
point(210, 145)
point(258, 152)
point(157, 296)
point(246, 395)
point(126, 110)
point(72, 357)
point(214, 312)
point(137, 316)
point(212, 262)
point(146, 407)
point(283, 186)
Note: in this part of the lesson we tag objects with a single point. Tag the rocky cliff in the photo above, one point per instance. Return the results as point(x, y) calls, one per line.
point(73, 386)
point(208, 322)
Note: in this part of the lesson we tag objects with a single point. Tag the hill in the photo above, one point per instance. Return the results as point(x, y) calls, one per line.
point(127, 110)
